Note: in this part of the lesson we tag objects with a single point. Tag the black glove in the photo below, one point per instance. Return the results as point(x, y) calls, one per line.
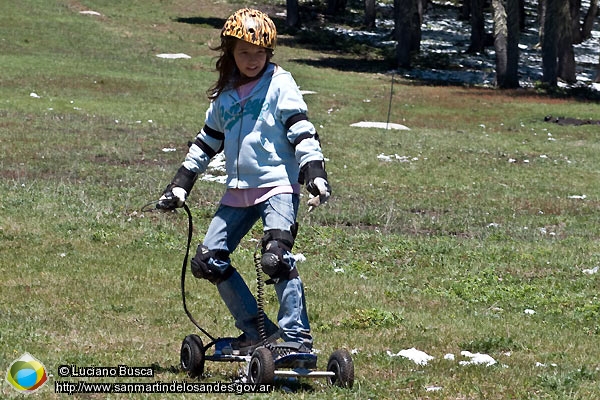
point(313, 173)
point(175, 194)
point(173, 197)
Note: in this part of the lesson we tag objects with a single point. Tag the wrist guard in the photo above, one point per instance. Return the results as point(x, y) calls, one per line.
point(184, 178)
point(312, 170)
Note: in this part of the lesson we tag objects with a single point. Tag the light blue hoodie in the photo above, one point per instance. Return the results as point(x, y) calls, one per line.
point(266, 140)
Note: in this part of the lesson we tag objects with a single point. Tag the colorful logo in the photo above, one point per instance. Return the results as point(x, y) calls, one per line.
point(27, 374)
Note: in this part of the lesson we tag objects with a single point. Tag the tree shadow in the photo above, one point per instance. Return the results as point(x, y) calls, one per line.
point(208, 22)
point(347, 64)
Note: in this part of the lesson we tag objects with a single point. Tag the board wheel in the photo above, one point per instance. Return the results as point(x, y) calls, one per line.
point(341, 364)
point(262, 367)
point(192, 356)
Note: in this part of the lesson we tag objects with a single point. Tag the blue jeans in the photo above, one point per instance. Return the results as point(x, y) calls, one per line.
point(226, 230)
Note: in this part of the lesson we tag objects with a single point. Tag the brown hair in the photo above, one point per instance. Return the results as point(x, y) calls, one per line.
point(229, 75)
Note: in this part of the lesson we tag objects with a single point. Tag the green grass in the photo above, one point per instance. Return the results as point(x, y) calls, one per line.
point(443, 252)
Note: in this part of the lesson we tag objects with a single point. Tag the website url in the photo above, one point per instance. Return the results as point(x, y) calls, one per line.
point(70, 387)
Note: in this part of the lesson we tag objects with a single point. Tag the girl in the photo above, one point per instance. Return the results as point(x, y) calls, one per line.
point(258, 118)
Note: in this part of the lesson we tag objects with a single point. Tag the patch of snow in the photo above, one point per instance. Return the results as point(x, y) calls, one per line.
point(212, 178)
point(173, 56)
point(417, 356)
point(395, 157)
point(300, 257)
point(35, 95)
point(539, 364)
point(217, 166)
point(433, 388)
point(591, 271)
point(217, 163)
point(380, 125)
point(577, 196)
point(449, 357)
point(529, 311)
point(168, 149)
point(89, 12)
point(477, 359)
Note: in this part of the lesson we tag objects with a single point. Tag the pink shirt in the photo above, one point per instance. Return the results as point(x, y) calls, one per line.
point(244, 90)
point(251, 197)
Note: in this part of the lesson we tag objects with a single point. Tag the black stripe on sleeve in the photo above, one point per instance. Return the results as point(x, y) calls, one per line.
point(205, 148)
point(301, 138)
point(213, 133)
point(295, 118)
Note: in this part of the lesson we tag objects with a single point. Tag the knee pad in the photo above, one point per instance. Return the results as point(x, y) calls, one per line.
point(212, 265)
point(275, 245)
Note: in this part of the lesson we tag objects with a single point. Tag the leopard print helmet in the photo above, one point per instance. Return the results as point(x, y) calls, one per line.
point(252, 26)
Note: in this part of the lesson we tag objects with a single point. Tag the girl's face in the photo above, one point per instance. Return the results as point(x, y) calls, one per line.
point(249, 58)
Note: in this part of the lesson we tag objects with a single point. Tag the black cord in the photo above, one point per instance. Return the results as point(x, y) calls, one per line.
point(153, 206)
point(184, 268)
point(260, 291)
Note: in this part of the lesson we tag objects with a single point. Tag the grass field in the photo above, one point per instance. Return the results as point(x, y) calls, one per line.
point(482, 235)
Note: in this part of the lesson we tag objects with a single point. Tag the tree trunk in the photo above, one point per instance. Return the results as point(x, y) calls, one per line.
point(477, 27)
point(597, 78)
point(293, 14)
point(574, 10)
point(588, 21)
point(500, 41)
point(566, 53)
point(506, 42)
point(549, 40)
point(521, 15)
point(370, 14)
point(514, 33)
point(417, 21)
point(335, 7)
point(558, 56)
point(541, 9)
point(465, 10)
point(406, 16)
